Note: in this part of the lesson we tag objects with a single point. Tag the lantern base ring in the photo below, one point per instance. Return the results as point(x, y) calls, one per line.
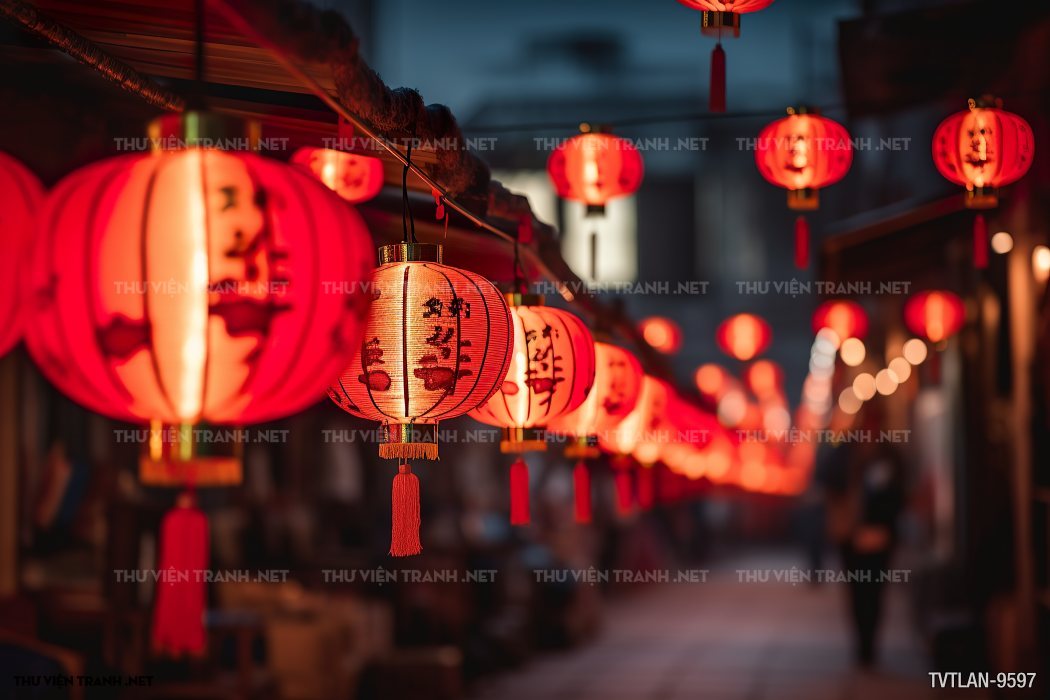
point(982, 198)
point(805, 199)
point(720, 24)
point(408, 441)
point(595, 210)
point(518, 440)
point(585, 447)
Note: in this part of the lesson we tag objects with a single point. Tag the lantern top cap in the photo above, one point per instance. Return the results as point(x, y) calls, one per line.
point(803, 109)
point(523, 299)
point(410, 252)
point(199, 129)
point(589, 128)
point(985, 102)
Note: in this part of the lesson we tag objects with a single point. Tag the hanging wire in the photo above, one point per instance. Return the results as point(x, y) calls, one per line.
point(408, 221)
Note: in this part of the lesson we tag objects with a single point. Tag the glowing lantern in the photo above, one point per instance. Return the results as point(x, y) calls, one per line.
point(353, 177)
point(711, 380)
point(765, 378)
point(20, 197)
point(594, 167)
point(637, 426)
point(617, 384)
point(846, 318)
point(718, 19)
point(190, 285)
point(803, 152)
point(936, 315)
point(437, 344)
point(743, 336)
point(982, 149)
point(661, 333)
point(551, 370)
point(657, 431)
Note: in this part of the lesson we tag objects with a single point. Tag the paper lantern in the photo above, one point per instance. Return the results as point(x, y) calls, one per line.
point(196, 285)
point(437, 344)
point(722, 19)
point(594, 167)
point(551, 371)
point(765, 379)
point(617, 385)
point(193, 284)
point(803, 153)
point(743, 336)
point(936, 315)
point(982, 149)
point(355, 178)
point(845, 318)
point(662, 334)
point(21, 195)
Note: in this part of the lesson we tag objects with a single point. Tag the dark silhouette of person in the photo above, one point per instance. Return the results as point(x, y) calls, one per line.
point(865, 498)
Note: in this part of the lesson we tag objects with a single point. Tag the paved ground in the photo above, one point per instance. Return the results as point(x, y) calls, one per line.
point(724, 639)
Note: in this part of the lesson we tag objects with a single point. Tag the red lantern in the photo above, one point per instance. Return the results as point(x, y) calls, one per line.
point(617, 384)
point(982, 149)
point(722, 19)
point(192, 285)
point(656, 431)
point(436, 345)
point(594, 167)
point(765, 379)
point(743, 336)
point(551, 371)
point(662, 334)
point(846, 318)
point(803, 152)
point(936, 315)
point(353, 177)
point(21, 195)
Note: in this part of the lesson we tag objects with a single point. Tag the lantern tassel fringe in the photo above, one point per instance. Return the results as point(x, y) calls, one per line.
point(624, 492)
point(717, 92)
point(581, 479)
point(519, 492)
point(980, 242)
point(404, 502)
point(801, 243)
point(408, 450)
point(178, 611)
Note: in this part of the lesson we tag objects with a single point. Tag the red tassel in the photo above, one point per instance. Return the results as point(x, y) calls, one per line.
point(178, 612)
point(801, 243)
point(717, 94)
point(404, 521)
point(624, 492)
point(581, 479)
point(646, 488)
point(519, 492)
point(980, 242)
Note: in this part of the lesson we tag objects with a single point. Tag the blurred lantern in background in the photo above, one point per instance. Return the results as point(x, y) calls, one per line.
point(803, 152)
point(743, 336)
point(207, 286)
point(982, 149)
point(846, 318)
point(617, 385)
point(720, 19)
point(662, 334)
point(437, 344)
point(595, 167)
point(765, 379)
point(627, 435)
point(353, 177)
point(936, 315)
point(551, 371)
point(21, 195)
